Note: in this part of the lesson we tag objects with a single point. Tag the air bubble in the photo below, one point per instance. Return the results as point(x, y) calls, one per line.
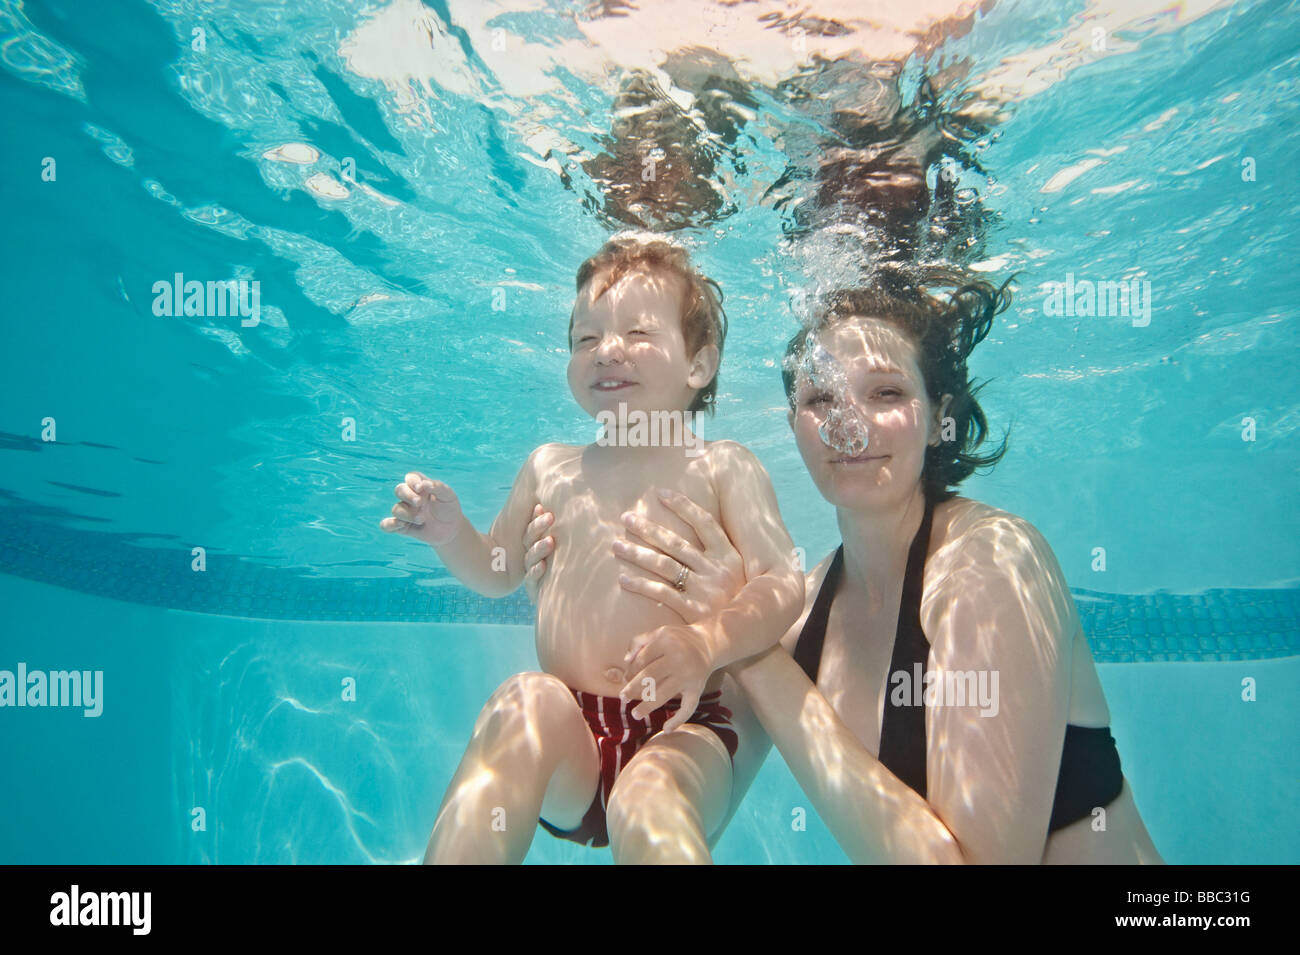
point(843, 429)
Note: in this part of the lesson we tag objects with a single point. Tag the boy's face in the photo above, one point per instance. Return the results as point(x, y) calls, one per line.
point(627, 347)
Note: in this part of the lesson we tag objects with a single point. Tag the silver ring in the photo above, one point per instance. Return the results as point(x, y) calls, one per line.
point(681, 579)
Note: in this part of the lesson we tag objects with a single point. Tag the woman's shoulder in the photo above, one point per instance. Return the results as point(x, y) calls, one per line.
point(975, 537)
point(994, 573)
point(965, 519)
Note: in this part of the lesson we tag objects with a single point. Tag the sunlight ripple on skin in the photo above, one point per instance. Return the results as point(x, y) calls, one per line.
point(651, 816)
point(903, 841)
point(508, 732)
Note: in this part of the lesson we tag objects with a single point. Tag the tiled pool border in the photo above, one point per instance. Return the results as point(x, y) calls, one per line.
point(1220, 624)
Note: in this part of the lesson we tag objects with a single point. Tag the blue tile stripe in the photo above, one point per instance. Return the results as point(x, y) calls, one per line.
point(1219, 624)
point(1229, 624)
point(117, 566)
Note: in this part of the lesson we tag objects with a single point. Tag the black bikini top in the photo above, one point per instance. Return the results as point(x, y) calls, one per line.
point(1090, 773)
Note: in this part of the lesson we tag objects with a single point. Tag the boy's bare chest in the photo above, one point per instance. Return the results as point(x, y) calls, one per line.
point(589, 498)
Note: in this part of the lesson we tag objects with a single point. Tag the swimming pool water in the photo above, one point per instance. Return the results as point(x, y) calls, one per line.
point(414, 242)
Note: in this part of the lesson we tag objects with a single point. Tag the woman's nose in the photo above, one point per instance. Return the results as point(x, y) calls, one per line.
point(845, 427)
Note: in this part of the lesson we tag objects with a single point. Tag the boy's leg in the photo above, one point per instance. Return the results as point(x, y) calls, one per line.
point(532, 754)
point(670, 798)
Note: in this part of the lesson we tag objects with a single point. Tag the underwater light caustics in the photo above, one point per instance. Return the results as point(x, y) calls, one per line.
point(844, 429)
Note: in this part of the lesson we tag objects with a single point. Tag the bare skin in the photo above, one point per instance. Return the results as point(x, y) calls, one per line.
point(532, 753)
point(994, 599)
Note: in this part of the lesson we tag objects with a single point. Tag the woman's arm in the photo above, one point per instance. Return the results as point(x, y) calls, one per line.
point(680, 658)
point(759, 615)
point(1002, 613)
point(874, 816)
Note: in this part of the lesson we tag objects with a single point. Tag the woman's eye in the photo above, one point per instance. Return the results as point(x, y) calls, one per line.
point(891, 391)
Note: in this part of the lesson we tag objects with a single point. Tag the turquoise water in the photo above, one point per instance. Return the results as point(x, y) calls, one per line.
point(423, 298)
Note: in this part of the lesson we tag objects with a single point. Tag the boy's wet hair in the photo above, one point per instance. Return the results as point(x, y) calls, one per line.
point(944, 332)
point(703, 320)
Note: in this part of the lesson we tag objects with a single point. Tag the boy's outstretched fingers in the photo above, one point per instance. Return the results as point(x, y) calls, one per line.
point(406, 513)
point(395, 526)
point(407, 494)
point(663, 689)
point(427, 510)
point(431, 488)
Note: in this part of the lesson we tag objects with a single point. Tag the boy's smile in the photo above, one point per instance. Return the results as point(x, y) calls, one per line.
point(613, 384)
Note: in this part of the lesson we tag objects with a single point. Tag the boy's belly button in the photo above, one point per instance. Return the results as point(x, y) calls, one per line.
point(615, 676)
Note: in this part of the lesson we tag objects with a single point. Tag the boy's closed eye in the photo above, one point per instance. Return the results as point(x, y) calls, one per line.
point(583, 339)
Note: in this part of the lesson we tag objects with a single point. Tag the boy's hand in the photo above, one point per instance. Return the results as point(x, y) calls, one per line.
point(676, 662)
point(429, 510)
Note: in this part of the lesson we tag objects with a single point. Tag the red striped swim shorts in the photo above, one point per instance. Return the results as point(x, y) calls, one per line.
point(619, 736)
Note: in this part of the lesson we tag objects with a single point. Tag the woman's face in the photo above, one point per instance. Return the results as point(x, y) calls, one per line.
point(878, 384)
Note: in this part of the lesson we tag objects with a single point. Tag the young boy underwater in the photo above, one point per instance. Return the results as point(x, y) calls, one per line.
point(623, 737)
